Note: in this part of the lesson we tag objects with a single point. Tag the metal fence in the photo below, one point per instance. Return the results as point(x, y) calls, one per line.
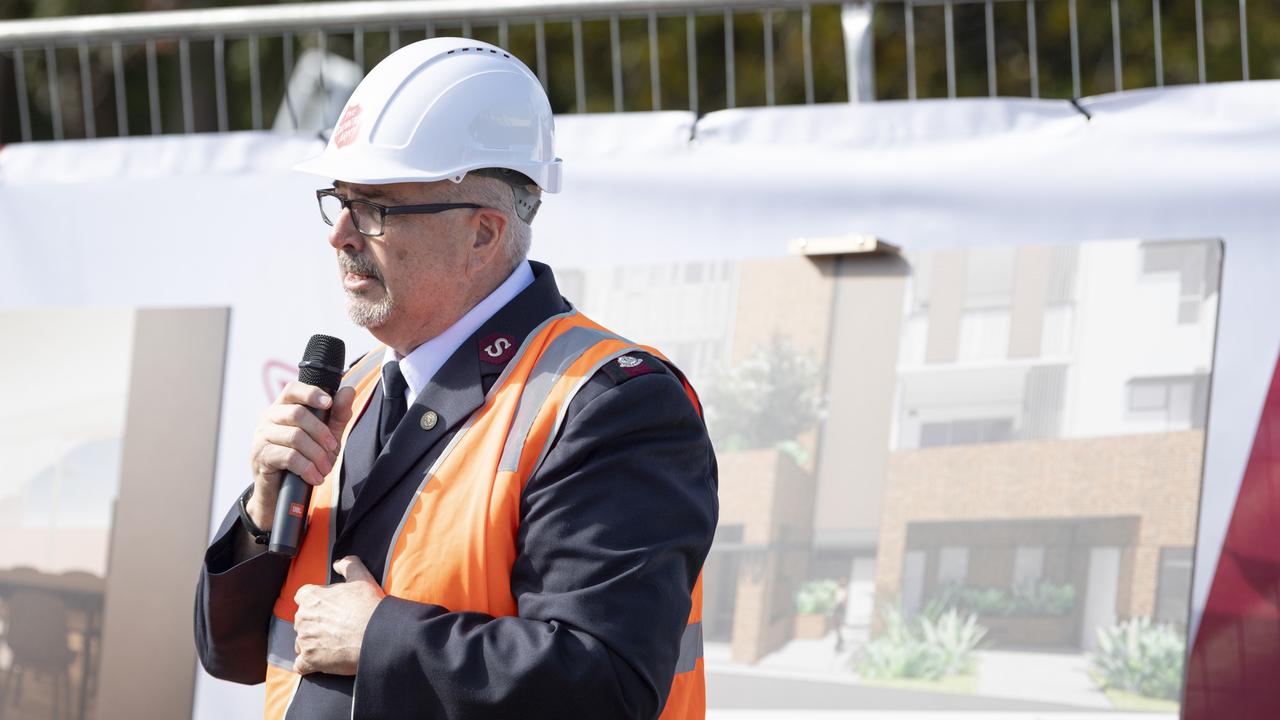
point(221, 69)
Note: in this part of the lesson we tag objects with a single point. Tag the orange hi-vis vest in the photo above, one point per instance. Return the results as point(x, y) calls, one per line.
point(456, 542)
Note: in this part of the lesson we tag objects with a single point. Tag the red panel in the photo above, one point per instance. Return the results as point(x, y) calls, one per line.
point(1234, 669)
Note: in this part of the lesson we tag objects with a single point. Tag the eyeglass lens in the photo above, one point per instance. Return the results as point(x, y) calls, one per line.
point(367, 219)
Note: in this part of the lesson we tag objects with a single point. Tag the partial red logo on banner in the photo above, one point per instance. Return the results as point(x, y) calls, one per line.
point(344, 133)
point(1235, 658)
point(275, 375)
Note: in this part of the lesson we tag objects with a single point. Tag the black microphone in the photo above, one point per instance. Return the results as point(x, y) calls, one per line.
point(321, 366)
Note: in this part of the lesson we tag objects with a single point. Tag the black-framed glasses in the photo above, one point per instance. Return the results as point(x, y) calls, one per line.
point(369, 217)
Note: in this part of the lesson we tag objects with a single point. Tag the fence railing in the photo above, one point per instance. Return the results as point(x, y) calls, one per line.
point(223, 69)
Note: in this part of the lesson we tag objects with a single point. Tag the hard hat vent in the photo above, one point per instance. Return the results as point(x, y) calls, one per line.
point(467, 49)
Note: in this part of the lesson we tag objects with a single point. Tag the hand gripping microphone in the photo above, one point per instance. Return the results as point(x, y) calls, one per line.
point(321, 366)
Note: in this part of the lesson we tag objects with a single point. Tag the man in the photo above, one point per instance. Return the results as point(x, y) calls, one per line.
point(512, 505)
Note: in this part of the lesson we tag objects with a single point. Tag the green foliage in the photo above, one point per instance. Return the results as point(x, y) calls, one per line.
point(1142, 657)
point(956, 637)
point(764, 401)
point(1033, 598)
point(1053, 34)
point(817, 596)
point(925, 648)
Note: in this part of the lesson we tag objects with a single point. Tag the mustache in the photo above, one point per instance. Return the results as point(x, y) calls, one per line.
point(360, 265)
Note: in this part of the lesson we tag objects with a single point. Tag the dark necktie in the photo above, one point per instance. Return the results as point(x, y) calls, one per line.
point(394, 404)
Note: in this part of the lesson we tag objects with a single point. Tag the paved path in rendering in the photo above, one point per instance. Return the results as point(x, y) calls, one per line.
point(730, 690)
point(1060, 678)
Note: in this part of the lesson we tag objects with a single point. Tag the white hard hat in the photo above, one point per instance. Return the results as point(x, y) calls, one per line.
point(437, 109)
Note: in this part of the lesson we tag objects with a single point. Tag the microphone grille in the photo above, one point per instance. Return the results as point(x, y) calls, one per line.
point(322, 363)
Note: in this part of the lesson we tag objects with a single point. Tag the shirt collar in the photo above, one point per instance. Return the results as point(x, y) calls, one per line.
point(421, 364)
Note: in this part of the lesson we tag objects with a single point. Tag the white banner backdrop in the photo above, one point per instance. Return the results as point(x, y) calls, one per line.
point(221, 220)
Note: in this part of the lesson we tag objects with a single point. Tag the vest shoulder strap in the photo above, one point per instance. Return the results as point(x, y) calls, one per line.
point(363, 367)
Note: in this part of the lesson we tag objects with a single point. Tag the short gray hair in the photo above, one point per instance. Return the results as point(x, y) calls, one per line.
point(498, 188)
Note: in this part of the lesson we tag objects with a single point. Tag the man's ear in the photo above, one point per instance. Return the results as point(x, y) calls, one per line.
point(490, 228)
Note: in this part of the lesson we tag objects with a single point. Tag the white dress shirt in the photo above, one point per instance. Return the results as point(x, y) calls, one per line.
point(421, 364)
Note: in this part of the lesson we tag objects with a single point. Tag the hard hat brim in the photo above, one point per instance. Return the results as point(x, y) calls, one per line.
point(374, 170)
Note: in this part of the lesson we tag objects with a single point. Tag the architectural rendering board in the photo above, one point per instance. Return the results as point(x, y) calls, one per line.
point(963, 479)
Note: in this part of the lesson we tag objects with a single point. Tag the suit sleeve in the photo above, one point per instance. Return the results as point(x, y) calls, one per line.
point(233, 607)
point(616, 525)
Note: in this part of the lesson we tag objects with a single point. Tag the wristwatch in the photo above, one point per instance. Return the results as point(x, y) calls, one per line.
point(260, 536)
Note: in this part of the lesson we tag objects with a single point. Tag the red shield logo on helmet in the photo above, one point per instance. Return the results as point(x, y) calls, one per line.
point(348, 126)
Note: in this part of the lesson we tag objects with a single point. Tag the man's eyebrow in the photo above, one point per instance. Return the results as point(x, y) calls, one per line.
point(372, 194)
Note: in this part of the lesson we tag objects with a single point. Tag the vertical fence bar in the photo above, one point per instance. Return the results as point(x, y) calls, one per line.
point(1075, 47)
point(1033, 51)
point(55, 97)
point(806, 40)
point(357, 48)
point(503, 39)
point(655, 75)
point(730, 72)
point(20, 86)
point(322, 43)
point(1200, 40)
point(991, 48)
point(1117, 59)
point(466, 29)
point(184, 71)
point(117, 73)
point(1244, 41)
point(769, 96)
point(220, 80)
point(579, 81)
point(430, 30)
point(255, 83)
point(1155, 24)
point(949, 41)
point(287, 39)
point(857, 21)
point(615, 53)
point(86, 92)
point(691, 50)
point(153, 88)
point(540, 40)
point(910, 18)
point(393, 38)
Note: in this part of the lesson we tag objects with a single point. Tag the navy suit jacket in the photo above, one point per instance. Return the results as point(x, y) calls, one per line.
point(614, 528)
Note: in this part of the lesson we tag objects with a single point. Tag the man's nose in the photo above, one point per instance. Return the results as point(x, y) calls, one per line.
point(343, 234)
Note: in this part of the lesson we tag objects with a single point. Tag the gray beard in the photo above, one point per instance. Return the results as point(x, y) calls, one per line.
point(367, 313)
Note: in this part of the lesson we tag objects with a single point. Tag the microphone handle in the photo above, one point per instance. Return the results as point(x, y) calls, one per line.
point(291, 509)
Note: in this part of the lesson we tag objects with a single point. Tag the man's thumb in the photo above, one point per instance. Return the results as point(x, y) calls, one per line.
point(341, 412)
point(353, 570)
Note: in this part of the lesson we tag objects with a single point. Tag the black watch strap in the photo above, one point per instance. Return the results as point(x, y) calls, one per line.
point(260, 536)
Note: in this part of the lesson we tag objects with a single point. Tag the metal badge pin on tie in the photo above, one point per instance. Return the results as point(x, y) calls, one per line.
point(429, 420)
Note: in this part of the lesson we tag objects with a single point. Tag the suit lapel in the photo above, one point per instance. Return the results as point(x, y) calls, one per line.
point(453, 394)
point(359, 454)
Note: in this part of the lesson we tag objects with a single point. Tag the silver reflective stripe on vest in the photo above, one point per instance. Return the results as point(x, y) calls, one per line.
point(363, 367)
point(564, 409)
point(551, 366)
point(462, 431)
point(281, 640)
point(690, 648)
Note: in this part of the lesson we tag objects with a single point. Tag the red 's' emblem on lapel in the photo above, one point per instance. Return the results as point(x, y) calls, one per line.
point(497, 348)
